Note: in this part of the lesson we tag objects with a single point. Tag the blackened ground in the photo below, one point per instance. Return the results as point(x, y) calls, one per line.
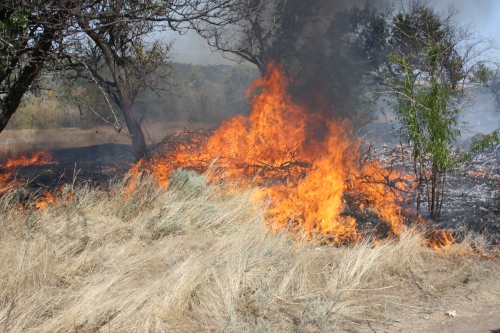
point(95, 164)
point(473, 196)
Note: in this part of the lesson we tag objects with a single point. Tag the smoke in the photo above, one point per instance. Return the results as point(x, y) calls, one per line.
point(312, 44)
point(191, 48)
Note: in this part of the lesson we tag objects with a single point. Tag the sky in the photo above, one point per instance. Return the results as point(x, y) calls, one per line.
point(483, 15)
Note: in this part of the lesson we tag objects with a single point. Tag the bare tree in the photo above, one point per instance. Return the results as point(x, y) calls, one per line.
point(33, 32)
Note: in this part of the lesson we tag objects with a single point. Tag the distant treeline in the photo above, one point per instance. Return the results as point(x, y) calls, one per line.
point(191, 93)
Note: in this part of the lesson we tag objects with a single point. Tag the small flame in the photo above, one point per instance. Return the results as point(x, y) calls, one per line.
point(48, 199)
point(8, 170)
point(439, 239)
point(61, 195)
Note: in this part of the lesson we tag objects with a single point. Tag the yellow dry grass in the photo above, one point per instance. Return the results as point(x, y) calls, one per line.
point(15, 142)
point(197, 259)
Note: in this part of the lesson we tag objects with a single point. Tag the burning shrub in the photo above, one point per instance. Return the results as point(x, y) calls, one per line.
point(304, 163)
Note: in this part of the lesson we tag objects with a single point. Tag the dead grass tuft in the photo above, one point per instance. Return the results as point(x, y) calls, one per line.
point(193, 258)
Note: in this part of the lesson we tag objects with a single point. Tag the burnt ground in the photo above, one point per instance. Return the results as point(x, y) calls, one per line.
point(472, 193)
point(472, 201)
point(95, 164)
point(473, 196)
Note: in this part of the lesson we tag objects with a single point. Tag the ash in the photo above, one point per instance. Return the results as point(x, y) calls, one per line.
point(94, 164)
point(472, 193)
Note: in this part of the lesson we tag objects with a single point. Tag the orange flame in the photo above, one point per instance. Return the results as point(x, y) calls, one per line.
point(438, 239)
point(307, 163)
point(61, 195)
point(37, 158)
point(8, 170)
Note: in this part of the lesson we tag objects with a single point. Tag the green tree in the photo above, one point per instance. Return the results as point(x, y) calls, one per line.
point(236, 82)
point(429, 124)
point(426, 71)
point(28, 32)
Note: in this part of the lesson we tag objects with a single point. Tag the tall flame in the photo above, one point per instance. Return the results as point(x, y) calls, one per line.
point(305, 163)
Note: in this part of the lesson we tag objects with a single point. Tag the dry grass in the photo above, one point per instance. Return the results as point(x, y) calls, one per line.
point(194, 259)
point(23, 141)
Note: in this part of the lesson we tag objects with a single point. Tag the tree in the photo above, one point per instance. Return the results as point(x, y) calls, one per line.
point(329, 48)
point(237, 80)
point(33, 32)
point(29, 34)
point(430, 60)
point(134, 67)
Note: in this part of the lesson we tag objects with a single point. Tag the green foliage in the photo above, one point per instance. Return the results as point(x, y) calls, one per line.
point(483, 74)
point(200, 94)
point(237, 80)
point(426, 68)
point(488, 78)
point(420, 28)
point(11, 25)
point(428, 124)
point(481, 145)
point(196, 78)
point(197, 94)
point(46, 111)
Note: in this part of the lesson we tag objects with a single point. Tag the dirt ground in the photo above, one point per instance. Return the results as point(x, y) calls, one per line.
point(474, 308)
point(476, 311)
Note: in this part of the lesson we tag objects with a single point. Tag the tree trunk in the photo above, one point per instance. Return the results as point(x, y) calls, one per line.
point(11, 101)
point(134, 128)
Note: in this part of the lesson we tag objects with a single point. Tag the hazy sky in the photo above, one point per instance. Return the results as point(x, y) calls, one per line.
point(484, 15)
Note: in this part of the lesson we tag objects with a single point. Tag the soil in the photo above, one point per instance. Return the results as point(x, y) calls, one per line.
point(472, 308)
point(476, 310)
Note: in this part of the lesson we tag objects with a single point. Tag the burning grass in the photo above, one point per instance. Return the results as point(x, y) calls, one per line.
point(196, 258)
point(9, 169)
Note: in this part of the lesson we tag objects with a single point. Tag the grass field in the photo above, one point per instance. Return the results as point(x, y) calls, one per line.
point(16, 142)
point(197, 259)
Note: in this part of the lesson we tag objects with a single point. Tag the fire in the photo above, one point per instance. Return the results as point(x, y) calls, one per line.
point(61, 195)
point(37, 158)
point(438, 239)
point(8, 170)
point(306, 165)
point(48, 199)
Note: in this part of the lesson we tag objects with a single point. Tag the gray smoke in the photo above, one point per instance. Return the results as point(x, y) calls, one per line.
point(191, 48)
